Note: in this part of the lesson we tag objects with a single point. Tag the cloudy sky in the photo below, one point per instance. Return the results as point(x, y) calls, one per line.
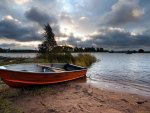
point(112, 24)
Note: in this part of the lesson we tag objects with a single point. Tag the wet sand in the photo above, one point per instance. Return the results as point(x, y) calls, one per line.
point(78, 97)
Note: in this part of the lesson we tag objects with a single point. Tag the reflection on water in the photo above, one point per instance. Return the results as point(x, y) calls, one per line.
point(129, 70)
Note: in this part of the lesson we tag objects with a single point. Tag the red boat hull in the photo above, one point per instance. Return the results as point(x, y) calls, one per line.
point(22, 79)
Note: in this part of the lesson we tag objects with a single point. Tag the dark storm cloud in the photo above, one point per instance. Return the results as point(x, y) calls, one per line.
point(143, 39)
point(72, 40)
point(112, 38)
point(11, 29)
point(124, 11)
point(40, 16)
point(120, 39)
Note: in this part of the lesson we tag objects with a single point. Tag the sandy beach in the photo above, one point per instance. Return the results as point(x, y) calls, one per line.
point(76, 97)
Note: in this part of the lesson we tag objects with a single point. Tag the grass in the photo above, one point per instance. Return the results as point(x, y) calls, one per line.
point(7, 106)
point(7, 95)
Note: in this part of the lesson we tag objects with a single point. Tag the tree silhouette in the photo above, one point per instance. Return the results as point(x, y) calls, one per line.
point(141, 51)
point(49, 40)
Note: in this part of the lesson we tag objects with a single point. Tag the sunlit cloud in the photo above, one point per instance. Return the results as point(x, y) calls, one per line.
point(133, 34)
point(10, 18)
point(116, 29)
point(13, 44)
point(137, 13)
point(21, 1)
point(83, 18)
point(7, 17)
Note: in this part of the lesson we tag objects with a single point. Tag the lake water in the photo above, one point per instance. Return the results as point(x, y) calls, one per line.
point(117, 71)
point(24, 55)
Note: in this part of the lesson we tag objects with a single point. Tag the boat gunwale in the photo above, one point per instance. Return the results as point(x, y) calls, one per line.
point(84, 69)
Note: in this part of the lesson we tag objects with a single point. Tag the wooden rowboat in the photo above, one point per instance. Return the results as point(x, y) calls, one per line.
point(21, 75)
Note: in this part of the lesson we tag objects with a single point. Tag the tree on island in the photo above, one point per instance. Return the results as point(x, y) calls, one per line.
point(50, 51)
point(49, 40)
point(141, 51)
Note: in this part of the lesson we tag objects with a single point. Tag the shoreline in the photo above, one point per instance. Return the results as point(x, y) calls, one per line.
point(76, 97)
point(138, 89)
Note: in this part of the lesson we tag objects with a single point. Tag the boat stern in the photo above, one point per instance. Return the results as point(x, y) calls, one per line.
point(2, 69)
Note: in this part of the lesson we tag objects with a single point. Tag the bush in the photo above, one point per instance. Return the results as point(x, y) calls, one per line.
point(85, 60)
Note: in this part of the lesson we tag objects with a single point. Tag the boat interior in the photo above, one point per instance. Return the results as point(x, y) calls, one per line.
point(55, 67)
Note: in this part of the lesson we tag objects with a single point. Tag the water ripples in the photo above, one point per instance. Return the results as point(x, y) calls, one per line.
point(132, 70)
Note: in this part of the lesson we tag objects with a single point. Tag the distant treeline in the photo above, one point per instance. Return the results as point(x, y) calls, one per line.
point(92, 49)
point(75, 49)
point(89, 49)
